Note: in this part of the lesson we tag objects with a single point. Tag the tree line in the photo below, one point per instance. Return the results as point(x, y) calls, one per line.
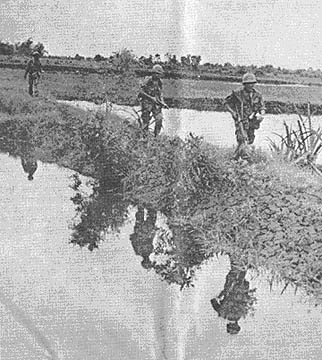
point(24, 48)
point(127, 59)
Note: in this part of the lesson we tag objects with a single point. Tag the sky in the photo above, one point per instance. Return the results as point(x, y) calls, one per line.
point(284, 33)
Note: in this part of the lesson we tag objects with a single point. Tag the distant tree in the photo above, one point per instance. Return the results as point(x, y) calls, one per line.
point(195, 62)
point(124, 60)
point(228, 68)
point(24, 48)
point(149, 60)
point(79, 57)
point(269, 68)
point(157, 59)
point(186, 60)
point(168, 57)
point(240, 70)
point(6, 48)
point(171, 61)
point(99, 57)
point(174, 60)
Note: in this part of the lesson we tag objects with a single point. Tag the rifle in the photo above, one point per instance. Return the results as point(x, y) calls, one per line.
point(156, 100)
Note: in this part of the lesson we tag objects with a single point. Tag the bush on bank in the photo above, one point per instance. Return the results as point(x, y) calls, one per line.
point(267, 213)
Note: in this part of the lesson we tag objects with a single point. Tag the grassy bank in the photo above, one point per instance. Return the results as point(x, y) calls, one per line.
point(267, 213)
point(187, 94)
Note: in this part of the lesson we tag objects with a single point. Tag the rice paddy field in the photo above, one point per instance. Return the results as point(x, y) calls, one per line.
point(183, 93)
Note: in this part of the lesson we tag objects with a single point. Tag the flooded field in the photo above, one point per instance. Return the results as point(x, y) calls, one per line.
point(58, 301)
point(216, 127)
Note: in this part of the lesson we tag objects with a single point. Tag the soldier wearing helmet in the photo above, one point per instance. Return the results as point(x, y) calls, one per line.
point(33, 70)
point(247, 109)
point(151, 99)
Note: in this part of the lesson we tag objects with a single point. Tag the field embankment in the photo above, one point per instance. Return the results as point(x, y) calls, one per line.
point(268, 213)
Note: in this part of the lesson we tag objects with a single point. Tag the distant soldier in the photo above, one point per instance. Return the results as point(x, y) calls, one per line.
point(151, 99)
point(33, 71)
point(247, 109)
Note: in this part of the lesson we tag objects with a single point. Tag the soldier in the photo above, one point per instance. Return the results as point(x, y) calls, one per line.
point(247, 109)
point(33, 70)
point(151, 99)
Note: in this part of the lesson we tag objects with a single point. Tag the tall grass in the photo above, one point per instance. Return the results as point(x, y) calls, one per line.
point(301, 145)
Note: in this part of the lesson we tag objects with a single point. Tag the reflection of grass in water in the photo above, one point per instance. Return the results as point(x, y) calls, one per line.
point(99, 212)
point(267, 213)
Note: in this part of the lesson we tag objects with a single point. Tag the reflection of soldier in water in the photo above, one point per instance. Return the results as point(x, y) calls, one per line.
point(29, 165)
point(143, 235)
point(235, 301)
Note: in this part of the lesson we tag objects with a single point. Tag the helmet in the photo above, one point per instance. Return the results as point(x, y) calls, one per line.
point(158, 69)
point(35, 53)
point(146, 263)
point(233, 328)
point(249, 78)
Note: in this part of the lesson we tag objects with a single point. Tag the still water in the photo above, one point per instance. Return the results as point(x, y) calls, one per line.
point(215, 127)
point(218, 127)
point(58, 301)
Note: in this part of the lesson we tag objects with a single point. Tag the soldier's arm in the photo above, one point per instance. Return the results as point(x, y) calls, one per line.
point(143, 87)
point(229, 106)
point(262, 108)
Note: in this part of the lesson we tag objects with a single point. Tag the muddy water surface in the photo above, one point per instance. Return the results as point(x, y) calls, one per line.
point(58, 301)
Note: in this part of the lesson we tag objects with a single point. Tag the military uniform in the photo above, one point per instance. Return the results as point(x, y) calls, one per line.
point(143, 235)
point(29, 165)
point(152, 87)
point(236, 300)
point(246, 104)
point(33, 71)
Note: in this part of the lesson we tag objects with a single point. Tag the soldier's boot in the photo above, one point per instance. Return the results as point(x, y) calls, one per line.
point(145, 116)
point(251, 136)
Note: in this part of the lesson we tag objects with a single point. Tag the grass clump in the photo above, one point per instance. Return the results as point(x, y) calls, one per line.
point(301, 145)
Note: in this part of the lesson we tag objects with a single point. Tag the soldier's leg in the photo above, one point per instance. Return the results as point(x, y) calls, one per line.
point(240, 152)
point(251, 135)
point(36, 82)
point(30, 89)
point(157, 113)
point(239, 137)
point(146, 114)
